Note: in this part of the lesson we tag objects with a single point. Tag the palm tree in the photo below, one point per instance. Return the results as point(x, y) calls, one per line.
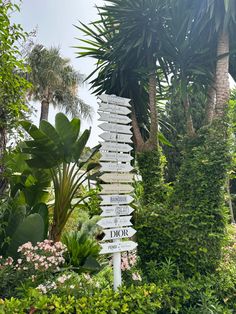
point(222, 16)
point(55, 82)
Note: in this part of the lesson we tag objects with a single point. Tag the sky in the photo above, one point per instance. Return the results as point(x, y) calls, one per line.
point(54, 20)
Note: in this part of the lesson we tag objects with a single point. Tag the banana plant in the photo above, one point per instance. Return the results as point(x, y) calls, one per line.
point(61, 150)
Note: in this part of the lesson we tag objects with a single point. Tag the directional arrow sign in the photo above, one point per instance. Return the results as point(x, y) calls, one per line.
point(112, 99)
point(112, 222)
point(116, 188)
point(112, 117)
point(112, 127)
point(116, 199)
point(114, 167)
point(116, 147)
point(114, 109)
point(117, 177)
point(118, 233)
point(116, 210)
point(115, 247)
point(108, 156)
point(115, 137)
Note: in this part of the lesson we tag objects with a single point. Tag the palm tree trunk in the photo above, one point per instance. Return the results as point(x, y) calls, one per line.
point(222, 74)
point(152, 142)
point(44, 110)
point(210, 109)
point(138, 139)
point(189, 121)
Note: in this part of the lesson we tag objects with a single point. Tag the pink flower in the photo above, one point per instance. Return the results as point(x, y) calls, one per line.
point(136, 276)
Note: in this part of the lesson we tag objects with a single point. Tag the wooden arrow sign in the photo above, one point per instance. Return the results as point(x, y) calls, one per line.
point(116, 188)
point(112, 117)
point(116, 210)
point(112, 99)
point(114, 109)
point(115, 167)
point(116, 147)
point(114, 247)
point(116, 199)
point(112, 127)
point(109, 156)
point(112, 222)
point(116, 137)
point(117, 177)
point(118, 233)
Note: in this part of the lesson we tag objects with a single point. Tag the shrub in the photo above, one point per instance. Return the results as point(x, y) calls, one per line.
point(190, 227)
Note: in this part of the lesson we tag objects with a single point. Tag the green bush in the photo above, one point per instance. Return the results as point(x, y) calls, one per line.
point(190, 227)
point(138, 300)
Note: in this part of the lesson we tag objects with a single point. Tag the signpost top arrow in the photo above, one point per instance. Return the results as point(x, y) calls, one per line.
point(112, 99)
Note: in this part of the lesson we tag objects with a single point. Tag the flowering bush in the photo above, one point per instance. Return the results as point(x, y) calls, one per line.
point(34, 265)
point(129, 268)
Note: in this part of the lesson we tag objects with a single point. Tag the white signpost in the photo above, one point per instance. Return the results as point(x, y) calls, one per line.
point(114, 109)
point(116, 128)
point(115, 157)
point(116, 199)
point(112, 99)
point(114, 247)
point(112, 117)
point(112, 222)
point(115, 167)
point(115, 137)
point(116, 210)
point(116, 188)
point(119, 233)
point(117, 177)
point(116, 147)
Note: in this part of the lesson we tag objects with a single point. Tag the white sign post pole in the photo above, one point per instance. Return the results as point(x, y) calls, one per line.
point(116, 268)
point(116, 158)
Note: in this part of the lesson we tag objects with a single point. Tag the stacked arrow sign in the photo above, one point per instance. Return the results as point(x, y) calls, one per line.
point(115, 165)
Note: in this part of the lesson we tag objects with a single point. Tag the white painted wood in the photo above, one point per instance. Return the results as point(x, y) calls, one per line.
point(114, 156)
point(115, 167)
point(116, 210)
point(112, 247)
point(116, 137)
point(114, 109)
point(116, 199)
point(112, 117)
point(117, 177)
point(116, 128)
point(112, 222)
point(115, 147)
point(113, 99)
point(116, 188)
point(118, 233)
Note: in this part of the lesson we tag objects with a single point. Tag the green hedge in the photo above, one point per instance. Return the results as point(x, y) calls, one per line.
point(190, 227)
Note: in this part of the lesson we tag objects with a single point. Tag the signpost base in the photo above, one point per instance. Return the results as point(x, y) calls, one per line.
point(117, 270)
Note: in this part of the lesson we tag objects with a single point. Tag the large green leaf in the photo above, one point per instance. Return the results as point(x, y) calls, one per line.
point(31, 229)
point(79, 146)
point(42, 210)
